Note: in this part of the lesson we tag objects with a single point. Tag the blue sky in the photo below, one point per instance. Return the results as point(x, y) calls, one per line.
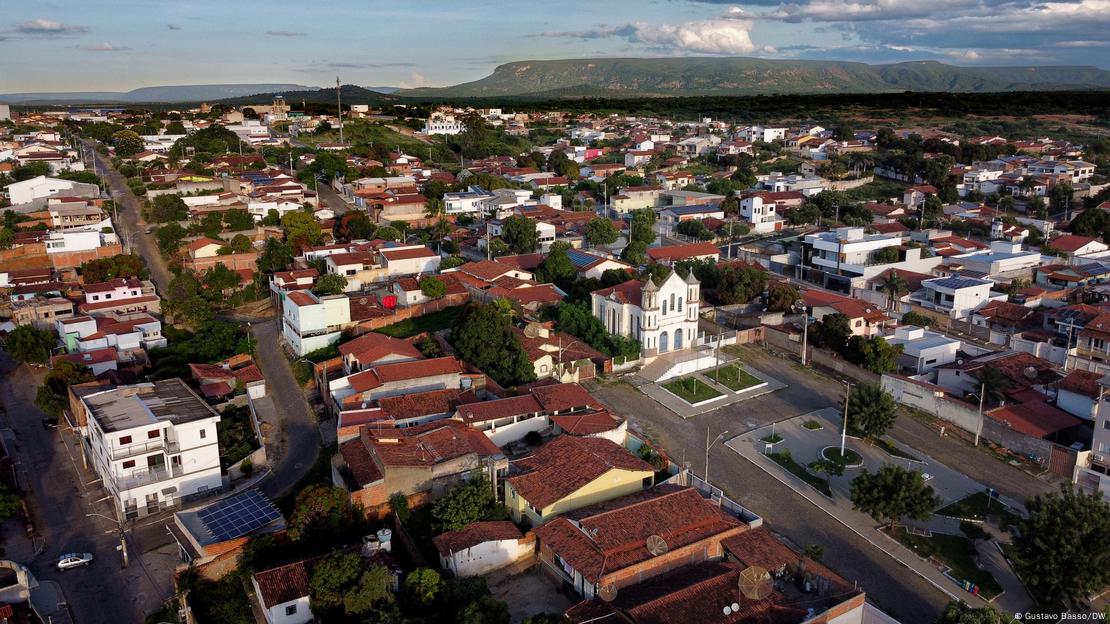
point(105, 45)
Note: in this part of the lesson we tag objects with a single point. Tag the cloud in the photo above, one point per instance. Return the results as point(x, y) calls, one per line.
point(173, 26)
point(726, 34)
point(414, 81)
point(102, 47)
point(285, 33)
point(42, 27)
point(318, 66)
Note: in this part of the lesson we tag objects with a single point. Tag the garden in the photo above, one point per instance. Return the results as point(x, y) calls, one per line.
point(734, 378)
point(692, 390)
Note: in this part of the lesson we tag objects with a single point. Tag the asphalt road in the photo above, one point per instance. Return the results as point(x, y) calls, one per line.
point(129, 221)
point(60, 496)
point(887, 583)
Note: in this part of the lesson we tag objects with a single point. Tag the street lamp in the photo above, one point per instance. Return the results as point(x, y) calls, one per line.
point(122, 535)
point(709, 445)
point(844, 431)
point(979, 422)
point(805, 327)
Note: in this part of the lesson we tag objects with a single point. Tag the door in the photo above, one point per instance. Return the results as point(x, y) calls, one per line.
point(664, 342)
point(677, 339)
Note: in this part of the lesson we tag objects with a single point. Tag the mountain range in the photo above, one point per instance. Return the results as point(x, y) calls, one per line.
point(169, 93)
point(640, 77)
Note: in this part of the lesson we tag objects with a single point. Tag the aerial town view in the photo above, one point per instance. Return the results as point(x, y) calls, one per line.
point(682, 311)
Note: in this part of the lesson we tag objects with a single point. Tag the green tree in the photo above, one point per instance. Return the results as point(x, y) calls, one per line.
point(30, 344)
point(886, 255)
point(320, 513)
point(934, 209)
point(301, 228)
point(484, 337)
point(557, 267)
point(53, 395)
point(433, 287)
point(218, 281)
point(10, 504)
point(918, 319)
point(240, 243)
point(127, 143)
point(166, 208)
point(519, 233)
point(485, 610)
point(330, 284)
point(1037, 208)
point(600, 232)
point(832, 332)
point(104, 269)
point(893, 286)
point(211, 225)
point(958, 612)
point(388, 232)
point(7, 237)
point(781, 297)
point(332, 577)
point(993, 383)
point(740, 285)
point(893, 493)
point(805, 214)
point(635, 253)
point(871, 411)
point(276, 256)
point(355, 225)
point(169, 238)
point(422, 585)
point(373, 588)
point(873, 353)
point(642, 227)
point(399, 507)
point(238, 220)
point(272, 218)
point(468, 502)
point(1062, 551)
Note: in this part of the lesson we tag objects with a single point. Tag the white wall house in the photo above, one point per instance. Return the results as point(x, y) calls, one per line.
point(466, 202)
point(152, 444)
point(957, 297)
point(663, 318)
point(283, 594)
point(1092, 468)
point(763, 216)
point(36, 188)
point(923, 350)
point(1002, 257)
point(481, 548)
point(310, 322)
point(439, 123)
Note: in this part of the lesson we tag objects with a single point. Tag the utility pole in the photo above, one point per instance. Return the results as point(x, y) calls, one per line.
point(979, 424)
point(339, 102)
point(844, 431)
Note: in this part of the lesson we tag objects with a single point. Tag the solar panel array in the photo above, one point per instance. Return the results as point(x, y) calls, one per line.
point(238, 515)
point(580, 258)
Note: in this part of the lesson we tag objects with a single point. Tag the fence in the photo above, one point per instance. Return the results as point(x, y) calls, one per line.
point(401, 314)
point(791, 344)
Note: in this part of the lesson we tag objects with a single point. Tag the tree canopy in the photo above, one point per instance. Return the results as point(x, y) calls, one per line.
point(466, 503)
point(30, 344)
point(519, 233)
point(109, 268)
point(53, 395)
point(892, 493)
point(320, 513)
point(871, 411)
point(601, 231)
point(301, 228)
point(484, 337)
point(330, 284)
point(432, 287)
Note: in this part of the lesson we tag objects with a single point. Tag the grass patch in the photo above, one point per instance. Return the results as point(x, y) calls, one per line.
point(958, 553)
point(733, 378)
point(977, 507)
point(410, 327)
point(774, 438)
point(891, 449)
point(812, 425)
point(849, 458)
point(691, 389)
point(236, 435)
point(786, 461)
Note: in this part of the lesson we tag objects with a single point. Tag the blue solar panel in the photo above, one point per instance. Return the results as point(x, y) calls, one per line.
point(238, 515)
point(580, 258)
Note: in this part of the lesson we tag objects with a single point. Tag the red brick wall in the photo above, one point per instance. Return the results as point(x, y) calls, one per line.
point(235, 262)
point(401, 314)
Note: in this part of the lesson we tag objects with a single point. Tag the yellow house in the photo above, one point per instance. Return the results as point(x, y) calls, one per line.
point(570, 472)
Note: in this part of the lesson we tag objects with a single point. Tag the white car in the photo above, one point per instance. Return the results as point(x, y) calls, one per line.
point(74, 560)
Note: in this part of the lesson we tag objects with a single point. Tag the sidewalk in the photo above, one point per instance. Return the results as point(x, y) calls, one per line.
point(949, 484)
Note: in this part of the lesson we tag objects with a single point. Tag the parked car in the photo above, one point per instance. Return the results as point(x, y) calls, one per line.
point(74, 560)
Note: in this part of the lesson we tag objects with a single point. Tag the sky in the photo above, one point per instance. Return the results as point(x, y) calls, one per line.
point(117, 45)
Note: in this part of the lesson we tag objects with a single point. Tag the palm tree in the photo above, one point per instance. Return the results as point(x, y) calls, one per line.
point(893, 286)
point(993, 384)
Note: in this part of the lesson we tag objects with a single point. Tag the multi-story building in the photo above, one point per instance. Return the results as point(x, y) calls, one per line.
point(1092, 469)
point(957, 297)
point(311, 322)
point(468, 201)
point(154, 444)
point(663, 318)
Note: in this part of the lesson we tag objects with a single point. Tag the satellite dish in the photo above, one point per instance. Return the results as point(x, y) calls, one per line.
point(755, 583)
point(607, 592)
point(531, 331)
point(727, 610)
point(362, 301)
point(1030, 372)
point(656, 545)
point(735, 607)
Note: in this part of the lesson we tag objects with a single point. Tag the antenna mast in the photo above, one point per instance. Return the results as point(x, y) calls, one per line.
point(339, 102)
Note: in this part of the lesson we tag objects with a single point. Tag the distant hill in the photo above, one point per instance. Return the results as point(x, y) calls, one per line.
point(172, 93)
point(351, 94)
point(385, 90)
point(639, 77)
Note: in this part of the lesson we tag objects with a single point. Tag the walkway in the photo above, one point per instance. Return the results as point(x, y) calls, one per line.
point(950, 485)
point(728, 397)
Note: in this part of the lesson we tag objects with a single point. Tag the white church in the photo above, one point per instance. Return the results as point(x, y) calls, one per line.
point(663, 318)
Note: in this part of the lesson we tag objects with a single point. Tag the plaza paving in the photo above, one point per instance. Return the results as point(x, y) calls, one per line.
point(685, 410)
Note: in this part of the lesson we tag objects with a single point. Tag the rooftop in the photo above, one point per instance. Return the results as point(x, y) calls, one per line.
point(168, 400)
point(477, 533)
point(566, 464)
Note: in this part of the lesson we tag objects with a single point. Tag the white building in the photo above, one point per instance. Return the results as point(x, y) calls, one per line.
point(441, 123)
point(77, 240)
point(957, 297)
point(283, 593)
point(759, 133)
point(39, 187)
point(762, 215)
point(923, 350)
point(481, 547)
point(663, 318)
point(852, 254)
point(310, 322)
point(1092, 468)
point(153, 445)
point(466, 202)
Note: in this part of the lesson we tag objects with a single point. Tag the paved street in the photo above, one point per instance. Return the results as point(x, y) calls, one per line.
point(887, 582)
point(60, 496)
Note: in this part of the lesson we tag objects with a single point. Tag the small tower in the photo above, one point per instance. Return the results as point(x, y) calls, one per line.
point(650, 296)
point(996, 229)
point(693, 286)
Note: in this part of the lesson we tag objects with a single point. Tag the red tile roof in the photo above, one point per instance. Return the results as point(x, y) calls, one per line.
point(1070, 242)
point(477, 533)
point(586, 423)
point(371, 347)
point(496, 409)
point(1034, 418)
point(363, 468)
point(759, 548)
point(115, 303)
point(283, 584)
point(300, 298)
point(487, 270)
point(402, 371)
point(407, 254)
point(1081, 382)
point(119, 282)
point(429, 444)
point(566, 464)
point(626, 292)
point(681, 252)
point(611, 536)
point(563, 397)
point(417, 404)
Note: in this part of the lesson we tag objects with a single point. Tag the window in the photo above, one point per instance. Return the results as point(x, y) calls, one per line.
point(153, 434)
point(664, 306)
point(291, 610)
point(129, 463)
point(672, 301)
point(203, 434)
point(1106, 424)
point(125, 440)
point(679, 304)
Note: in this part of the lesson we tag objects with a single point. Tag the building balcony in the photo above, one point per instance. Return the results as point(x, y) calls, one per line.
point(147, 476)
point(143, 448)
